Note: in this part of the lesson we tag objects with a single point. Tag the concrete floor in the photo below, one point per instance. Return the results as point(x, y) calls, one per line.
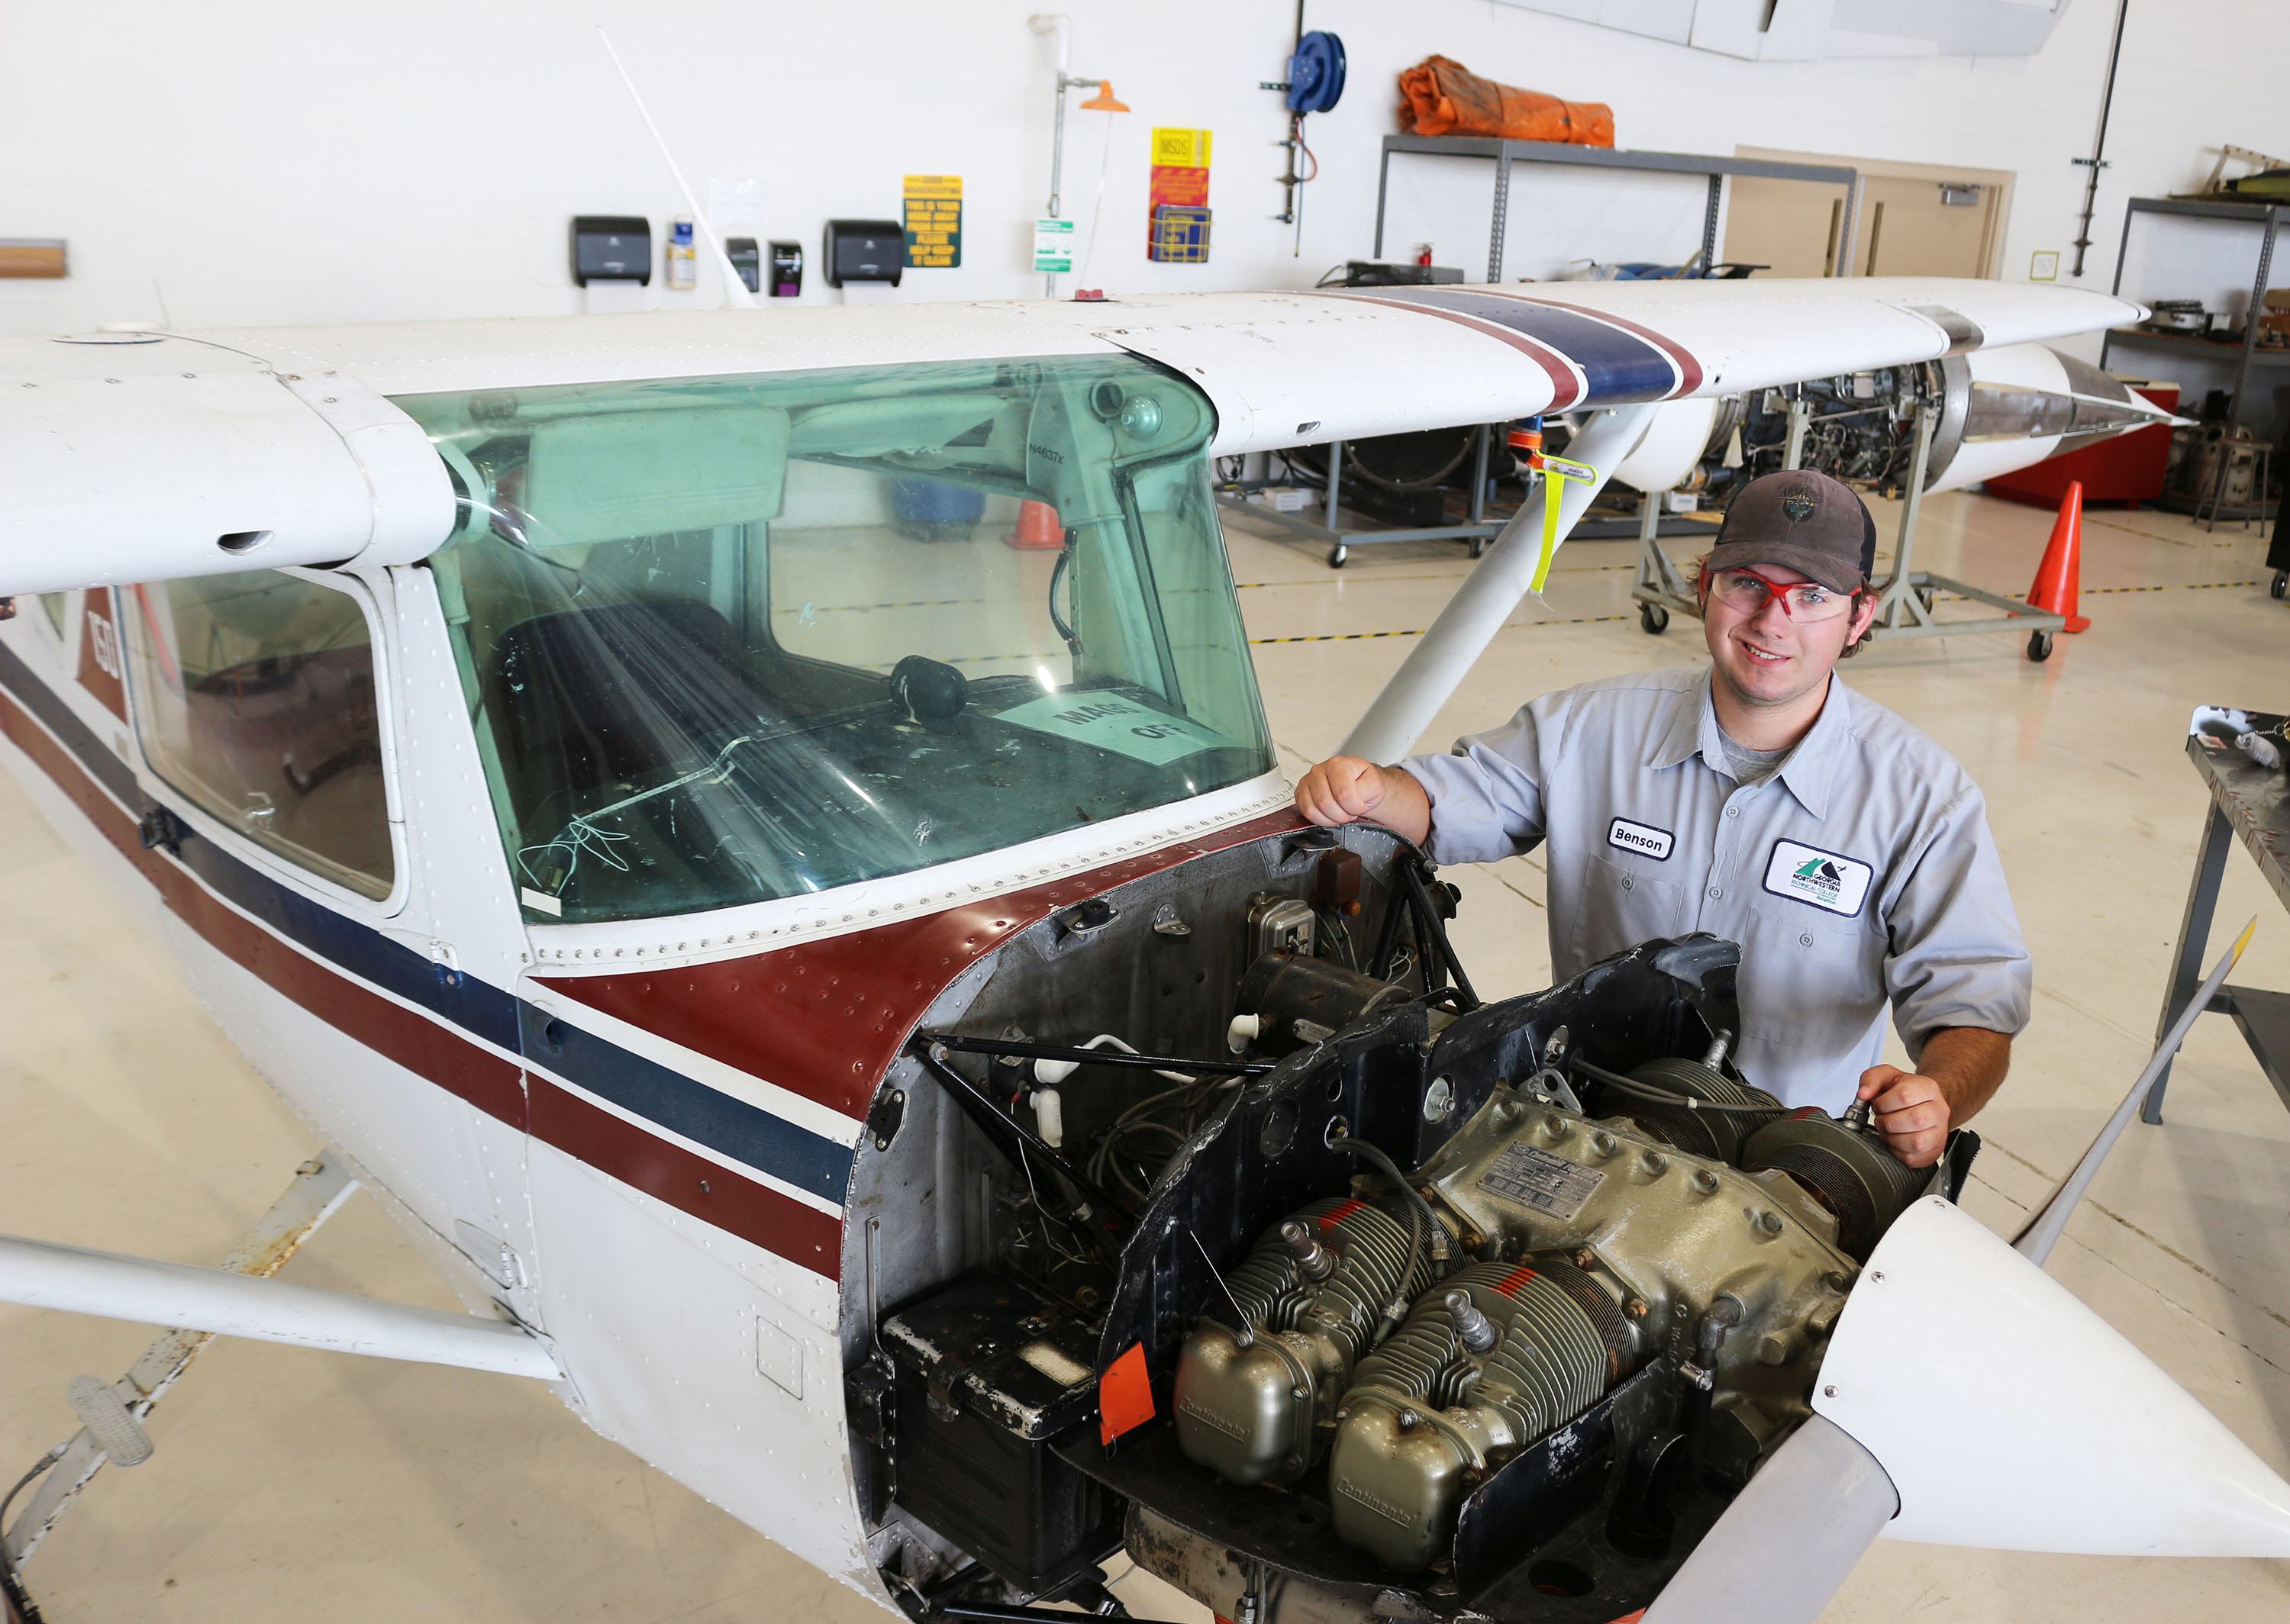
point(290, 1484)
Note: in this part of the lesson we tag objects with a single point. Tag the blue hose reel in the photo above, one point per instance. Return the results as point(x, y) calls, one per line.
point(1315, 73)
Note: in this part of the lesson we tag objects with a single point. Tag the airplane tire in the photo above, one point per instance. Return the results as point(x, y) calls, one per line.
point(2279, 585)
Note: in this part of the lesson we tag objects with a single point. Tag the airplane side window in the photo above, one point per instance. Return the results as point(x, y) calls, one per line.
point(726, 639)
point(255, 698)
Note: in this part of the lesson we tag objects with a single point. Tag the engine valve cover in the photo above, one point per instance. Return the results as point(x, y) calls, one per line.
point(1255, 1403)
point(1430, 1415)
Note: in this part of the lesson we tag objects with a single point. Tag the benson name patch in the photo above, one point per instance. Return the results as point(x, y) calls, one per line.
point(1644, 839)
point(1807, 873)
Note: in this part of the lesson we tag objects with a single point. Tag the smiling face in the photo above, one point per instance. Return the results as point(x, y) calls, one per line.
point(1765, 659)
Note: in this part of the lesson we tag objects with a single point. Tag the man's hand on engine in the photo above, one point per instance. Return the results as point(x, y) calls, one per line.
point(1909, 1110)
point(1346, 789)
point(1963, 1069)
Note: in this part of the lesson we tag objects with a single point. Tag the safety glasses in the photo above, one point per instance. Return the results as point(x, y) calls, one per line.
point(1747, 592)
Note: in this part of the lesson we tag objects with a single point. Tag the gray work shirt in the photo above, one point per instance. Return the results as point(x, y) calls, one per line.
point(1861, 872)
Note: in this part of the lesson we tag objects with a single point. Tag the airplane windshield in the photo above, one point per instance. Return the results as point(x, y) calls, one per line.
point(727, 639)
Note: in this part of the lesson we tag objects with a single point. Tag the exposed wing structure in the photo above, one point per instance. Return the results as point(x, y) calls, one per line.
point(139, 457)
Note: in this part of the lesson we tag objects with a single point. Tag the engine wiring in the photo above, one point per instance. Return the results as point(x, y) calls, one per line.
point(1636, 1090)
point(1115, 1159)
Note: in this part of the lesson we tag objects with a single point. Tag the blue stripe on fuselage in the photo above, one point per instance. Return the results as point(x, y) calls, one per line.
point(792, 1154)
point(1617, 366)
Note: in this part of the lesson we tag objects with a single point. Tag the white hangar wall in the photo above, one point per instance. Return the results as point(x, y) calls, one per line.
point(260, 161)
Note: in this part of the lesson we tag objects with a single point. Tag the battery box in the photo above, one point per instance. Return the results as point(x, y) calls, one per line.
point(989, 1373)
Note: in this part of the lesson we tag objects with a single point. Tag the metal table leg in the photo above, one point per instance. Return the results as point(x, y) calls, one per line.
point(2194, 936)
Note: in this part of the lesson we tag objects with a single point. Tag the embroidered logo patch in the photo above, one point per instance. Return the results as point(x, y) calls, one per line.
point(1646, 840)
point(1797, 503)
point(1820, 879)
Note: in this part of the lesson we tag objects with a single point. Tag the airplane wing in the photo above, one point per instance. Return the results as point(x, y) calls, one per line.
point(141, 456)
point(1287, 369)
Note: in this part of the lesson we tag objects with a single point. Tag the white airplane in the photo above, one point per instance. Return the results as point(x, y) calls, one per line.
point(845, 1000)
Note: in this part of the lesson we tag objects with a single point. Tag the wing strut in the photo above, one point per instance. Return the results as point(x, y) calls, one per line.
point(46, 1275)
point(1439, 663)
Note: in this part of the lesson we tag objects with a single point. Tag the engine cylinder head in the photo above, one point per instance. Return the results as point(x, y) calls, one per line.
point(1557, 1341)
point(1250, 1398)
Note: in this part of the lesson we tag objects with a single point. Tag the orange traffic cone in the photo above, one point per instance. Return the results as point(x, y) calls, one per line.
point(2058, 577)
point(1039, 529)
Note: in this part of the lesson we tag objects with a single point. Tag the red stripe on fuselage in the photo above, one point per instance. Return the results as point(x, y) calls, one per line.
point(495, 1085)
point(704, 1188)
point(825, 1020)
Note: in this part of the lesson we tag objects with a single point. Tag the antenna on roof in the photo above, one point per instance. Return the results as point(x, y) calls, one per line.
point(735, 289)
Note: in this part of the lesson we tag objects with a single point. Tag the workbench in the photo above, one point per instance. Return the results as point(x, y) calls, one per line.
point(2252, 802)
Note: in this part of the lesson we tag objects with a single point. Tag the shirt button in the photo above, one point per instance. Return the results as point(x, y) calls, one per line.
point(1625, 882)
point(1733, 812)
point(1806, 940)
point(1716, 894)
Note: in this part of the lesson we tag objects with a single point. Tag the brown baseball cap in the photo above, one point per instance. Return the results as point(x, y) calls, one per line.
point(1803, 521)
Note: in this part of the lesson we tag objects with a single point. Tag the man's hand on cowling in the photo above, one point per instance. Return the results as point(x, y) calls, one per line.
point(1911, 1111)
point(1342, 790)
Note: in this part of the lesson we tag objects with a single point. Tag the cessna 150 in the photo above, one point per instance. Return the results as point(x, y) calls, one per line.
point(847, 1002)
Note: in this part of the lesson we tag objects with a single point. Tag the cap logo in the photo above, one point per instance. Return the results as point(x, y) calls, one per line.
point(1798, 502)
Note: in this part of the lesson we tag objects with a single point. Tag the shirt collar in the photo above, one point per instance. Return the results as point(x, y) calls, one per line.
point(1693, 729)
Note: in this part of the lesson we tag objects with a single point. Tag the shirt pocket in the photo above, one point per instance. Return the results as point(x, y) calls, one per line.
point(1621, 906)
point(1808, 980)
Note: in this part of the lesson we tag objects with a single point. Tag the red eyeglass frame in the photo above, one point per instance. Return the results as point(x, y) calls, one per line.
point(1776, 591)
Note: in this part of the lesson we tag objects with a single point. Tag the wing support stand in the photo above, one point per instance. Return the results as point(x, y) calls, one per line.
point(1904, 603)
point(1440, 660)
point(320, 1187)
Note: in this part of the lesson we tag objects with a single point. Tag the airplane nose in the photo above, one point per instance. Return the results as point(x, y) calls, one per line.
point(2011, 1417)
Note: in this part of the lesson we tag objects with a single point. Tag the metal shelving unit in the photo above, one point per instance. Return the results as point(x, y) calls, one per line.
point(2268, 218)
point(1505, 153)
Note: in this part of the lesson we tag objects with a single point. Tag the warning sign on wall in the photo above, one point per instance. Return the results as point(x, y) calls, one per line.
point(933, 222)
point(1177, 212)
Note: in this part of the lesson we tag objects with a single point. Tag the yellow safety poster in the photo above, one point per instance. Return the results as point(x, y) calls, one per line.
point(1181, 148)
point(933, 222)
point(1177, 205)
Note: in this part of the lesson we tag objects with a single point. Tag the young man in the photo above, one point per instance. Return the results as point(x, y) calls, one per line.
point(1763, 801)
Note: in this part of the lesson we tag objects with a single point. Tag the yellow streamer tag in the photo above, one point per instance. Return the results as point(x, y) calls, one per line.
point(2243, 941)
point(1555, 472)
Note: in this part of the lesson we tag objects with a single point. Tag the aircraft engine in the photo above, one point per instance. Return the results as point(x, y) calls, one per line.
point(1261, 1246)
point(2000, 410)
point(1697, 1219)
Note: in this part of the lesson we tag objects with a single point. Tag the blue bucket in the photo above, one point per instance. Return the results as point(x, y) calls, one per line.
point(929, 511)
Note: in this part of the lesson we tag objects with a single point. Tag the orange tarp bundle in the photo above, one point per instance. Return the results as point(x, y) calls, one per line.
point(1445, 97)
